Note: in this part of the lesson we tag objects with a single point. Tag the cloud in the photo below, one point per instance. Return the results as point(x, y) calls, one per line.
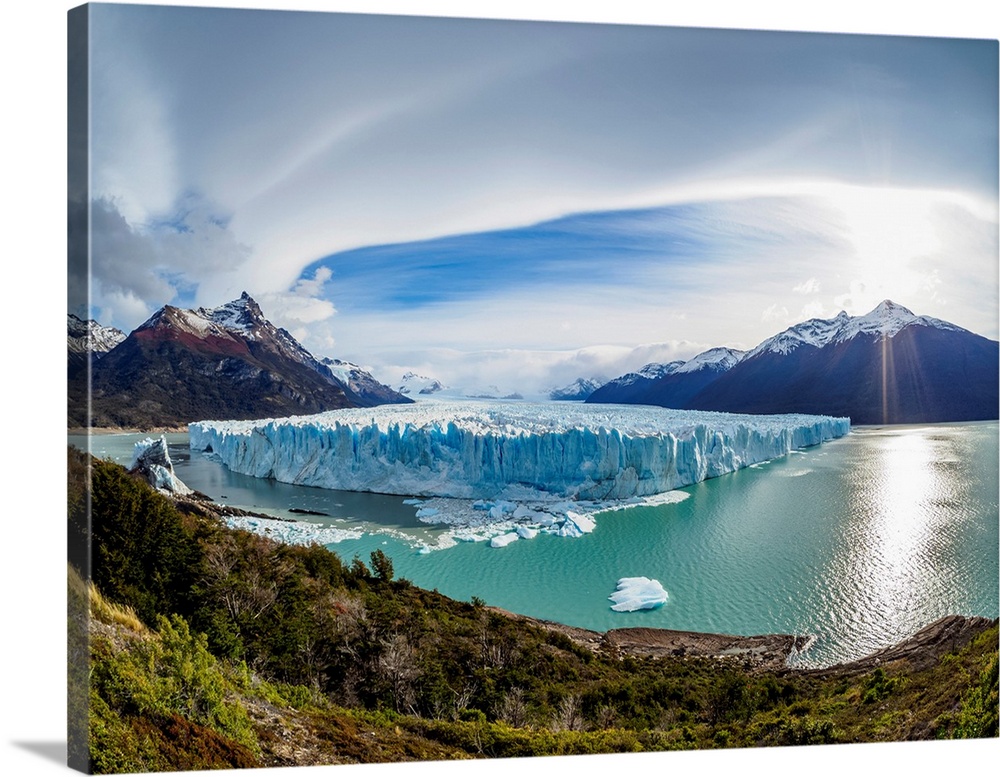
point(774, 313)
point(810, 286)
point(323, 133)
point(159, 262)
point(528, 371)
point(304, 310)
point(814, 309)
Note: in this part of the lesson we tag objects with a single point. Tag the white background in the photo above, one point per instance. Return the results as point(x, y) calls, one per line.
point(32, 309)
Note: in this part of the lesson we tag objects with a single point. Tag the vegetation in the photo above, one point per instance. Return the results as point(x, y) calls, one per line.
point(218, 648)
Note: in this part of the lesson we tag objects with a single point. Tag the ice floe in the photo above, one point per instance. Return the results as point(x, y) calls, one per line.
point(637, 593)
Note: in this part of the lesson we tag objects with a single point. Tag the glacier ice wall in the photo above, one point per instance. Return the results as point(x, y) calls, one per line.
point(475, 450)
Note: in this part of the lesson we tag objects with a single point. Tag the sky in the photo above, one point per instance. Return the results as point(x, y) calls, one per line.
point(521, 203)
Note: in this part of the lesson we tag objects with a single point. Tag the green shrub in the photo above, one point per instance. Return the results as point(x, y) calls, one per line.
point(977, 717)
point(172, 674)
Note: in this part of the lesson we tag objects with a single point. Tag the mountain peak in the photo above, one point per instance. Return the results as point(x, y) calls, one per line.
point(886, 319)
point(888, 307)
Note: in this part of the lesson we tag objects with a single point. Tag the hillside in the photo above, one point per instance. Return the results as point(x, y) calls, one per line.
point(217, 648)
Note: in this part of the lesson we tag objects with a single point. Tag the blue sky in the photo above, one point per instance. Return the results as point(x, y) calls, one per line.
point(511, 202)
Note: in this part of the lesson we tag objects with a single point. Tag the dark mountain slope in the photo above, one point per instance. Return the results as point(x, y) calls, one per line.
point(922, 374)
point(888, 366)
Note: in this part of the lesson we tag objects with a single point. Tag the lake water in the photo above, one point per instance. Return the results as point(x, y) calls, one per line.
point(860, 541)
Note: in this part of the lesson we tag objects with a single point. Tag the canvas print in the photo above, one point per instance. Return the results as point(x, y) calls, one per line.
point(453, 388)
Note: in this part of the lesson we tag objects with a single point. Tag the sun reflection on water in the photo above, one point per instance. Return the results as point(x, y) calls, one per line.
point(891, 559)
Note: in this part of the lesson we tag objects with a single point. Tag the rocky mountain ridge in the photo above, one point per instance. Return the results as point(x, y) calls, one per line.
point(225, 362)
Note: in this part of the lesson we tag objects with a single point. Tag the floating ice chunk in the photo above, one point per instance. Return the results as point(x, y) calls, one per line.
point(503, 540)
point(293, 532)
point(637, 593)
point(526, 532)
point(576, 525)
point(583, 523)
point(427, 512)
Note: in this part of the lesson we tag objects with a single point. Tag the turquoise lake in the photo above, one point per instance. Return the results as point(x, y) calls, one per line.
point(859, 542)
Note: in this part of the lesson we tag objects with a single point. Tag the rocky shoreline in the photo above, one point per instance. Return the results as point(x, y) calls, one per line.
point(767, 652)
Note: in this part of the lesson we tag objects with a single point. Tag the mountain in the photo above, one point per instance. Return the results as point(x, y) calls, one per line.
point(362, 385)
point(669, 385)
point(227, 362)
point(887, 366)
point(578, 390)
point(631, 388)
point(85, 338)
point(411, 383)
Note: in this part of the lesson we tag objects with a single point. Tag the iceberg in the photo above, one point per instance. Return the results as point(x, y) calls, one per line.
point(637, 593)
point(508, 453)
point(503, 540)
point(151, 460)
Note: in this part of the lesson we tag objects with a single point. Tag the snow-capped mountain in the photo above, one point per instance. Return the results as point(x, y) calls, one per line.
point(87, 341)
point(411, 384)
point(225, 362)
point(362, 384)
point(671, 384)
point(578, 390)
point(714, 359)
point(89, 336)
point(887, 319)
point(631, 387)
point(887, 366)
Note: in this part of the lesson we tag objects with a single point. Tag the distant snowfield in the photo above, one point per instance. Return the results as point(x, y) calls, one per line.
point(507, 471)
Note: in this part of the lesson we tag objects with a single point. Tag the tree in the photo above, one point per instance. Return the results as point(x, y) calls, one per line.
point(381, 566)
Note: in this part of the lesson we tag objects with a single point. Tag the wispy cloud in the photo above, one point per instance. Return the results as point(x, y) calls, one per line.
point(810, 286)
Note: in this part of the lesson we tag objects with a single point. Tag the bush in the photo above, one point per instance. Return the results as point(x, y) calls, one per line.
point(172, 674)
point(978, 715)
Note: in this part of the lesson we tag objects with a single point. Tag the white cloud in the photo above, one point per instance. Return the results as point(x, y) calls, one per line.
point(305, 311)
point(774, 313)
point(524, 370)
point(810, 286)
point(814, 309)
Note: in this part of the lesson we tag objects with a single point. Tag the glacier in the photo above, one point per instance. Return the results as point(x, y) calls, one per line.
point(474, 450)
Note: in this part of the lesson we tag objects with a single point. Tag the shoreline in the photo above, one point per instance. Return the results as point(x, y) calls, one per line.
point(103, 430)
point(766, 652)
